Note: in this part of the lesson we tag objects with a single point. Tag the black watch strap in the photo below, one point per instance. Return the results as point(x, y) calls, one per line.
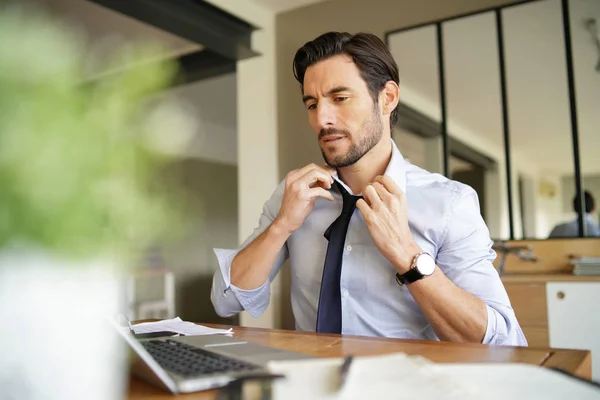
point(411, 276)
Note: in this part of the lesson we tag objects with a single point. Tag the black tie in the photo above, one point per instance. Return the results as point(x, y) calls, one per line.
point(329, 314)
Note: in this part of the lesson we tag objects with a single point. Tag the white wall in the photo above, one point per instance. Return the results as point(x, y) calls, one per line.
point(206, 171)
point(210, 199)
point(213, 104)
point(256, 134)
point(550, 204)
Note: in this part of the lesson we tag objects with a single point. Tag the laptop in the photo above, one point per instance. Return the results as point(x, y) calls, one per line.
point(185, 364)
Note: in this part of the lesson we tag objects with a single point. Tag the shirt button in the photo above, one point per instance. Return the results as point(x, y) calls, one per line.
point(349, 248)
point(346, 294)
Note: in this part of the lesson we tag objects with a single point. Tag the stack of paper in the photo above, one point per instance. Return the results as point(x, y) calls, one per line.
point(586, 266)
point(177, 325)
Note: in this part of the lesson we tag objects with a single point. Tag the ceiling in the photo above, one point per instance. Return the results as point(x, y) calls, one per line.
point(539, 119)
point(278, 6)
point(103, 30)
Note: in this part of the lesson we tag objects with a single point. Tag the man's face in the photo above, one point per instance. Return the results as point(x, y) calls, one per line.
point(341, 111)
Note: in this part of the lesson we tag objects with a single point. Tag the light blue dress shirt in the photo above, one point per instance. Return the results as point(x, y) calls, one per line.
point(571, 229)
point(445, 221)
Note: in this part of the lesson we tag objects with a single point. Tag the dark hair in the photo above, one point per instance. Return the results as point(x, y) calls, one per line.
point(369, 53)
point(588, 200)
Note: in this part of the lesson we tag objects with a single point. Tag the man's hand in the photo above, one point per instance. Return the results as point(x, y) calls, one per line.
point(385, 212)
point(302, 187)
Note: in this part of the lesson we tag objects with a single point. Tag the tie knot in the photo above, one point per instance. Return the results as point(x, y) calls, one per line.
point(349, 200)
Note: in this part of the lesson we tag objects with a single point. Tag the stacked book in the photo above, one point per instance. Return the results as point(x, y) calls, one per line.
point(585, 266)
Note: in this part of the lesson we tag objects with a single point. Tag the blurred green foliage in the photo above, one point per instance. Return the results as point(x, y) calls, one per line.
point(77, 162)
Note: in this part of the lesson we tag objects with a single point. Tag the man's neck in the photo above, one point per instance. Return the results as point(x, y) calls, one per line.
point(360, 174)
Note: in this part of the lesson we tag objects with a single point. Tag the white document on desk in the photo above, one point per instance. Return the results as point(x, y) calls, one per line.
point(392, 376)
point(399, 376)
point(177, 325)
point(522, 381)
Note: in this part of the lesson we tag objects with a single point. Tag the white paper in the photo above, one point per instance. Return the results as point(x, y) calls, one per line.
point(392, 376)
point(400, 376)
point(513, 381)
point(177, 325)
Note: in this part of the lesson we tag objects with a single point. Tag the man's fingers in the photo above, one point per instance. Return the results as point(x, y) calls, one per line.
point(315, 176)
point(383, 193)
point(319, 192)
point(389, 184)
point(302, 171)
point(372, 197)
point(329, 170)
point(365, 210)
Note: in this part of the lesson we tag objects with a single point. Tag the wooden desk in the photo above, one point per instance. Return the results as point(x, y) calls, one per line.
point(577, 362)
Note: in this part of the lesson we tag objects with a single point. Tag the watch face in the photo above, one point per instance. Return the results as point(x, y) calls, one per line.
point(425, 264)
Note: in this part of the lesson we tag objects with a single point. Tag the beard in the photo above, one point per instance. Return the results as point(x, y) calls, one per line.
point(371, 132)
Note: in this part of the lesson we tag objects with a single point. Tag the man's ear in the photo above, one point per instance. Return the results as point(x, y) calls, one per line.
point(389, 97)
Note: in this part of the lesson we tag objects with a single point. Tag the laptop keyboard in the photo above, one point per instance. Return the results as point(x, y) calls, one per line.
point(188, 361)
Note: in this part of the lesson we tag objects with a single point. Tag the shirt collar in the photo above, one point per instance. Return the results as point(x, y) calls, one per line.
point(396, 170)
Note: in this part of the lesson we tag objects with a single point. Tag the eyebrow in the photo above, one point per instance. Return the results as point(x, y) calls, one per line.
point(336, 89)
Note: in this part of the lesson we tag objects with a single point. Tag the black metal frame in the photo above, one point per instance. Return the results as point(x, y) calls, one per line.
point(203, 65)
point(503, 87)
point(505, 124)
point(573, 110)
point(442, 80)
point(460, 16)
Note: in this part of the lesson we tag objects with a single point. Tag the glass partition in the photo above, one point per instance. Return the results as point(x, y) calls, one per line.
point(540, 124)
point(474, 111)
point(417, 132)
point(517, 90)
point(585, 32)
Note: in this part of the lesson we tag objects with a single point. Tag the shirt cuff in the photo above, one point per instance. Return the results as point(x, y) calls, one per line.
point(224, 302)
point(502, 331)
point(490, 330)
point(254, 301)
point(225, 259)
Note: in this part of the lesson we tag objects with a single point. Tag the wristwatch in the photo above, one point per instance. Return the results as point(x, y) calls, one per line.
point(423, 265)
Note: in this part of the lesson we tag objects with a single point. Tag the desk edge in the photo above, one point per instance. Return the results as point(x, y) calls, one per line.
point(578, 363)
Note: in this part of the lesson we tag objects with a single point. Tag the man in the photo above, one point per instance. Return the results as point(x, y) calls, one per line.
point(415, 260)
point(571, 228)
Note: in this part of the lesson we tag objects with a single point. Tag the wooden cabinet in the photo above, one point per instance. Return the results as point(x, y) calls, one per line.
point(574, 318)
point(529, 302)
point(558, 311)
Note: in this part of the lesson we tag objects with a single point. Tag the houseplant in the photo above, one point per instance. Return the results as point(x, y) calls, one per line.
point(78, 201)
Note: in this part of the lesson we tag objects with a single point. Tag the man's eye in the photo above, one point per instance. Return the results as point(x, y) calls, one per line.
point(340, 99)
point(311, 106)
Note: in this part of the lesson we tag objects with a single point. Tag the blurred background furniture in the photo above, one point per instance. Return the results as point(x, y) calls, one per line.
point(160, 307)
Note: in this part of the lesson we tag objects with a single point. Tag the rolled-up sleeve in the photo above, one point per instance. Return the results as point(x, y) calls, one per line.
point(227, 299)
point(466, 257)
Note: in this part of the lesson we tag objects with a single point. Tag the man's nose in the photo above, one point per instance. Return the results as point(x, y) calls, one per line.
point(325, 116)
